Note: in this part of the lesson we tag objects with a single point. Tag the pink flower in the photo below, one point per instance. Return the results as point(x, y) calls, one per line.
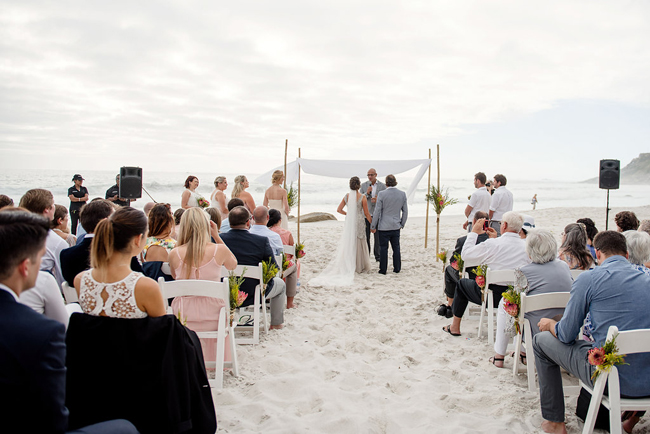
point(301, 254)
point(454, 265)
point(511, 308)
point(480, 281)
point(442, 202)
point(596, 356)
point(241, 296)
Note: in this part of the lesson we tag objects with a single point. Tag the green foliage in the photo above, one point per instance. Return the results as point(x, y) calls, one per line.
point(270, 270)
point(292, 196)
point(439, 198)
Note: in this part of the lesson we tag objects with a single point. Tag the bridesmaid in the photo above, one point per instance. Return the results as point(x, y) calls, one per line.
point(190, 198)
point(239, 190)
point(275, 197)
point(218, 198)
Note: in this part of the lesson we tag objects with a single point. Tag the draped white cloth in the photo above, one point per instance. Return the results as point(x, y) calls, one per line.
point(340, 271)
point(349, 168)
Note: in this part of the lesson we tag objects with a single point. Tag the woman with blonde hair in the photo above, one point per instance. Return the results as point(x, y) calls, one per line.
point(239, 190)
point(109, 287)
point(275, 197)
point(197, 258)
point(218, 198)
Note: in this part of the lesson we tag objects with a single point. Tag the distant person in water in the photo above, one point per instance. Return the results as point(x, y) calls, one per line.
point(533, 202)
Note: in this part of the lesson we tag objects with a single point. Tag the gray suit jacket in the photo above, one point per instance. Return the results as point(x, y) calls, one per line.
point(364, 190)
point(391, 210)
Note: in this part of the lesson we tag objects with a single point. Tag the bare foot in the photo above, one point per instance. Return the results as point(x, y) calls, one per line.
point(554, 427)
point(290, 304)
point(276, 327)
point(628, 424)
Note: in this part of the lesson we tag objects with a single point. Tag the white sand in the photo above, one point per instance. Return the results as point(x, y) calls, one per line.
point(373, 357)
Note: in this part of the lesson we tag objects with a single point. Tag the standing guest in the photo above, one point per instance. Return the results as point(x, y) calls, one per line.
point(612, 294)
point(478, 201)
point(533, 202)
point(591, 229)
point(225, 223)
point(370, 189)
point(159, 242)
point(218, 197)
point(291, 276)
point(5, 201)
point(573, 250)
point(110, 287)
point(60, 225)
point(78, 195)
point(239, 191)
point(32, 360)
point(501, 203)
point(275, 197)
point(113, 194)
point(190, 198)
point(626, 221)
point(390, 217)
point(41, 202)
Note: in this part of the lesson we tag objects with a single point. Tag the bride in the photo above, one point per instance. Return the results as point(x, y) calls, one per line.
point(352, 252)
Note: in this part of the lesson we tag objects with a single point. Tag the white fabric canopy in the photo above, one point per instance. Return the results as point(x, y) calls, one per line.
point(349, 168)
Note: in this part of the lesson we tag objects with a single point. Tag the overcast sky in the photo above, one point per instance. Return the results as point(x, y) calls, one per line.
point(529, 89)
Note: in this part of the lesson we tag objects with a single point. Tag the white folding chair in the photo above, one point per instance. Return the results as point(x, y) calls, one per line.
point(258, 307)
point(289, 250)
point(628, 342)
point(209, 288)
point(69, 293)
point(530, 303)
point(499, 277)
point(165, 268)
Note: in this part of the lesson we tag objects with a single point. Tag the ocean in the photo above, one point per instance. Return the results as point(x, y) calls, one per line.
point(322, 194)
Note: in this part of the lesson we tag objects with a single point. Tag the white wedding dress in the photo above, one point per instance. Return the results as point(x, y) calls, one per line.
point(340, 271)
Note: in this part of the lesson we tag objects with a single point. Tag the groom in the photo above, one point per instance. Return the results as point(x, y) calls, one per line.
point(391, 212)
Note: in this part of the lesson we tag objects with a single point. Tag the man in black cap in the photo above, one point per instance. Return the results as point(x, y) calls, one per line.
point(78, 195)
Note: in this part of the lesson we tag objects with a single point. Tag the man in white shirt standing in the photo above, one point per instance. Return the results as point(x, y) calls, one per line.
point(502, 202)
point(261, 216)
point(478, 201)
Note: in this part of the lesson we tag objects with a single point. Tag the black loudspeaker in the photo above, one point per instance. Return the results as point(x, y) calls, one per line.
point(610, 174)
point(130, 182)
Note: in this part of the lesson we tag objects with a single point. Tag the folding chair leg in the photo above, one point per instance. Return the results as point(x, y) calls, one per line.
point(515, 367)
point(530, 363)
point(480, 321)
point(490, 324)
point(233, 352)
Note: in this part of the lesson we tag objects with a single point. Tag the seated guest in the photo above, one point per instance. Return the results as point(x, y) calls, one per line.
point(32, 360)
point(591, 229)
point(147, 207)
point(113, 194)
point(499, 253)
point(452, 275)
point(626, 221)
point(545, 274)
point(110, 287)
point(60, 225)
point(251, 249)
point(177, 222)
point(215, 216)
point(612, 294)
point(638, 247)
point(196, 258)
point(45, 298)
point(291, 277)
point(261, 216)
point(225, 222)
point(159, 242)
point(645, 227)
point(573, 250)
point(76, 259)
point(41, 202)
point(5, 201)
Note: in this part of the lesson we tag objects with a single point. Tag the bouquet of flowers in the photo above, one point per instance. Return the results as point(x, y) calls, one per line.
point(457, 263)
point(512, 304)
point(605, 357)
point(443, 257)
point(292, 196)
point(269, 270)
point(237, 297)
point(300, 250)
point(203, 203)
point(439, 198)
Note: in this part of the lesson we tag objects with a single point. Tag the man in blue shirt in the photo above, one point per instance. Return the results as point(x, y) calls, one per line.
point(614, 294)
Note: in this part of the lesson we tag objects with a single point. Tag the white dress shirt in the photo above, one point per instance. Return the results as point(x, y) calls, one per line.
point(503, 253)
point(45, 298)
point(479, 201)
point(51, 261)
point(502, 202)
point(274, 238)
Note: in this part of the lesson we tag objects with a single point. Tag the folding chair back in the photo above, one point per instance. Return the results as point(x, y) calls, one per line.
point(260, 318)
point(69, 293)
point(493, 276)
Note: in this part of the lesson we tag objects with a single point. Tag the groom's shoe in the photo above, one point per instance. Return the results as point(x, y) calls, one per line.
point(382, 272)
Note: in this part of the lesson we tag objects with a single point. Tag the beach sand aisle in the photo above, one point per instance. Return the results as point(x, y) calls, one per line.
point(373, 357)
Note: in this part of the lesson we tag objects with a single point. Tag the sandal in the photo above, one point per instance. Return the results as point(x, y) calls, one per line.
point(522, 357)
point(448, 330)
point(495, 359)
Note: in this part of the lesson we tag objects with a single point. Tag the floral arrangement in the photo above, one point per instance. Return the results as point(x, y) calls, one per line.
point(512, 304)
point(603, 358)
point(183, 320)
point(292, 196)
point(300, 250)
point(203, 203)
point(237, 297)
point(269, 270)
point(440, 199)
point(443, 257)
point(457, 263)
point(286, 263)
point(480, 272)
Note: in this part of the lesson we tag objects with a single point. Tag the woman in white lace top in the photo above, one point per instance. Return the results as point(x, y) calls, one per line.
point(110, 288)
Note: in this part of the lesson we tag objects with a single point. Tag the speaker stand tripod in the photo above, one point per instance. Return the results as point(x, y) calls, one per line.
point(607, 212)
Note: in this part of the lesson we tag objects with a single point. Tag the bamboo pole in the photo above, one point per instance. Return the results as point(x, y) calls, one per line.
point(299, 197)
point(426, 225)
point(286, 145)
point(438, 216)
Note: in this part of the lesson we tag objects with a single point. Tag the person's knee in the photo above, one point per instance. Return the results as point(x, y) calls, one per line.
point(541, 341)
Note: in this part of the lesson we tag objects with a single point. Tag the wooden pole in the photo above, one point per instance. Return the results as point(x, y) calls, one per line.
point(299, 197)
point(426, 225)
point(438, 216)
point(286, 145)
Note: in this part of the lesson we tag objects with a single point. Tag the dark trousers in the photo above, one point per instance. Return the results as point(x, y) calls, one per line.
point(451, 281)
point(74, 219)
point(468, 290)
point(376, 240)
point(384, 238)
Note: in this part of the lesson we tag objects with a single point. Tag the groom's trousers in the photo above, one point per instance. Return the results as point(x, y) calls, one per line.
point(384, 238)
point(375, 249)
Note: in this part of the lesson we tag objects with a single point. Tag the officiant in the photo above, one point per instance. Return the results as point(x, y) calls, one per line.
point(371, 189)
